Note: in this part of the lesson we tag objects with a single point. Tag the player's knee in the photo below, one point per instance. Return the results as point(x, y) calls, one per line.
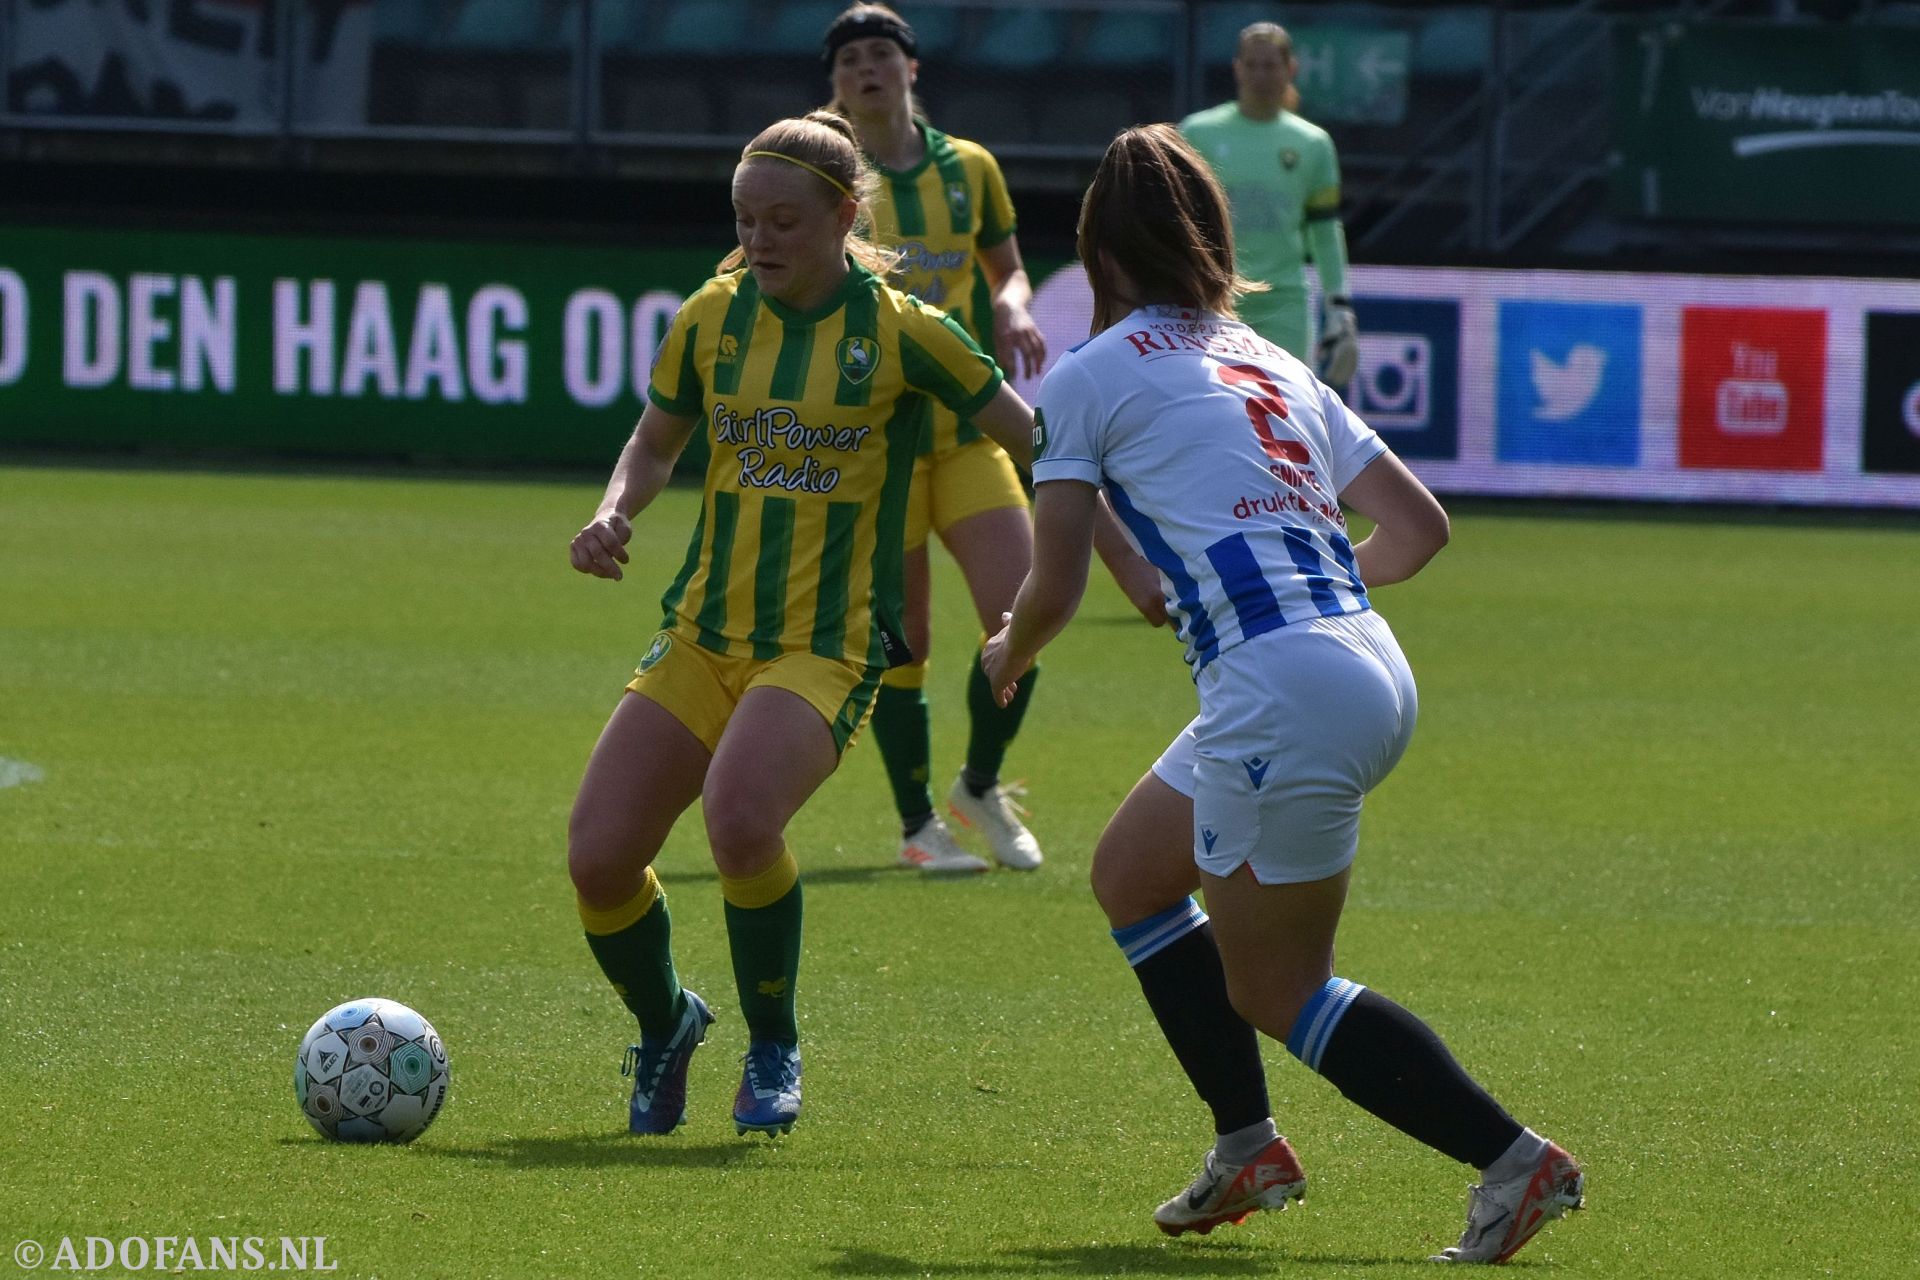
point(1272, 1002)
point(607, 857)
point(1131, 881)
point(744, 837)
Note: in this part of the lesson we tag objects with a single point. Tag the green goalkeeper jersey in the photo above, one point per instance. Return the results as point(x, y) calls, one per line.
point(1282, 178)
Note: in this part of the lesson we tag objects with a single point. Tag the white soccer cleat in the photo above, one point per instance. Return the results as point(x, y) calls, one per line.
point(934, 849)
point(1503, 1216)
point(1234, 1192)
point(993, 816)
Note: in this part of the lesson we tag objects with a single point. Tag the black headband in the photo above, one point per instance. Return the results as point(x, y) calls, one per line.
point(868, 25)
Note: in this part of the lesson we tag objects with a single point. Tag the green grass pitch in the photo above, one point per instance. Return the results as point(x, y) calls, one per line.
point(1650, 867)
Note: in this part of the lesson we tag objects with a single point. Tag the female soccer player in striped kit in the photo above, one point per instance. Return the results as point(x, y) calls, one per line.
point(814, 380)
point(943, 205)
point(1227, 461)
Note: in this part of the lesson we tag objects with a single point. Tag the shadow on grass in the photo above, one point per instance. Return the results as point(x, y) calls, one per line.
point(587, 1151)
point(1210, 1259)
point(828, 875)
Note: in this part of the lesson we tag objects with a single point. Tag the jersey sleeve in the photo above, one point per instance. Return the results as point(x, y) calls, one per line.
point(1323, 182)
point(1353, 443)
point(1067, 422)
point(996, 205)
point(942, 359)
point(675, 383)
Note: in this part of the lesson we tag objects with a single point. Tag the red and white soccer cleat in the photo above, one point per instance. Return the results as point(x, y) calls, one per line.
point(1503, 1216)
point(1234, 1192)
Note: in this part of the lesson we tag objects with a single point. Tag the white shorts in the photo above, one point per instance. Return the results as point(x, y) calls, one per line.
point(1295, 727)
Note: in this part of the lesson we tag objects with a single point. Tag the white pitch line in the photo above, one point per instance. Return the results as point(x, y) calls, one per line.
point(14, 773)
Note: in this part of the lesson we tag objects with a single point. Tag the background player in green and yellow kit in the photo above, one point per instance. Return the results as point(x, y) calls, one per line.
point(943, 206)
point(1283, 183)
point(815, 381)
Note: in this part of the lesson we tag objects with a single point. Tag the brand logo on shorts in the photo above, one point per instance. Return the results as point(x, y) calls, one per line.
point(1256, 770)
point(1207, 836)
point(1039, 434)
point(858, 357)
point(656, 651)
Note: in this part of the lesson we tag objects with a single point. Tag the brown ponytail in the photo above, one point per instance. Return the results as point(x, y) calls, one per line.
point(1156, 212)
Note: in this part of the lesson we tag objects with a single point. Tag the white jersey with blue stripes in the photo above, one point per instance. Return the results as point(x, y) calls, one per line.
point(1224, 458)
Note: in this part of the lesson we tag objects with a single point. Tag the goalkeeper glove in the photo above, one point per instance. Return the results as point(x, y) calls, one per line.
point(1338, 353)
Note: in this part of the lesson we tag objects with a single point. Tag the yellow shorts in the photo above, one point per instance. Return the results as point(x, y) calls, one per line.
point(959, 482)
point(700, 688)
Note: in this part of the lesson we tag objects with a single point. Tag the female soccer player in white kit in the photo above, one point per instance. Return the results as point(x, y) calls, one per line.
point(1227, 461)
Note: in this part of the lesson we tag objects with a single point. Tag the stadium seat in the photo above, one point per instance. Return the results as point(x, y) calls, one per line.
point(1221, 25)
point(623, 24)
point(797, 28)
point(501, 24)
point(1020, 39)
point(710, 27)
point(404, 21)
point(935, 30)
point(1125, 39)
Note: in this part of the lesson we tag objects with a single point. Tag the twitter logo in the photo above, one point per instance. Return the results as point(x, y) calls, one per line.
point(1566, 389)
point(1569, 384)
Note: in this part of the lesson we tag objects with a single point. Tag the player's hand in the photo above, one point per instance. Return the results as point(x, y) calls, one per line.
point(1019, 341)
point(998, 663)
point(1338, 354)
point(601, 548)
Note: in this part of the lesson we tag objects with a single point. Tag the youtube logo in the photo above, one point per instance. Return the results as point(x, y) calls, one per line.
point(1752, 388)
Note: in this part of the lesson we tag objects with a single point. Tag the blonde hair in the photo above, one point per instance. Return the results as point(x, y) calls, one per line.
point(1156, 212)
point(824, 145)
point(1276, 35)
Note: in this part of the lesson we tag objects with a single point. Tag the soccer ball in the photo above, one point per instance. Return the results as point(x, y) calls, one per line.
point(371, 1071)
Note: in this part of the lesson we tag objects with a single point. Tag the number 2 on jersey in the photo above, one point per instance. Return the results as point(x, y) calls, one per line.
point(1264, 402)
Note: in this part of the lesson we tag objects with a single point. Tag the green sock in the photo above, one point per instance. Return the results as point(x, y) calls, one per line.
point(638, 961)
point(994, 726)
point(906, 745)
point(765, 943)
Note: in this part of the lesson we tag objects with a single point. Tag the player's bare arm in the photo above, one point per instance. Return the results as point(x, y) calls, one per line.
point(1063, 520)
point(1139, 580)
point(1008, 422)
point(1015, 335)
point(1410, 525)
point(600, 548)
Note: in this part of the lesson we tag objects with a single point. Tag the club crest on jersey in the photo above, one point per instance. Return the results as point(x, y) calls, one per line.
point(1039, 434)
point(656, 651)
point(729, 347)
point(957, 200)
point(1289, 158)
point(858, 357)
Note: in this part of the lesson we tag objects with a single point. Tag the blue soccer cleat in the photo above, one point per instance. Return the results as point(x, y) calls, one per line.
point(659, 1071)
point(769, 1096)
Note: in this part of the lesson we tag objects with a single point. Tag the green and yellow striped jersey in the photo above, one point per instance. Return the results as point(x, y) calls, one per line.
point(814, 419)
point(936, 215)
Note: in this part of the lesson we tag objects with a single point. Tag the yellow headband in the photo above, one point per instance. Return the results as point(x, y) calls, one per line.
point(832, 181)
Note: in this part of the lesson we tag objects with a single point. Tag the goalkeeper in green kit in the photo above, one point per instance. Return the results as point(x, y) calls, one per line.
point(1283, 182)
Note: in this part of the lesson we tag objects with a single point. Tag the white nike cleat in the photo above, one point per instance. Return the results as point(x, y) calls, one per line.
point(933, 849)
point(1503, 1216)
point(993, 816)
point(1234, 1192)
